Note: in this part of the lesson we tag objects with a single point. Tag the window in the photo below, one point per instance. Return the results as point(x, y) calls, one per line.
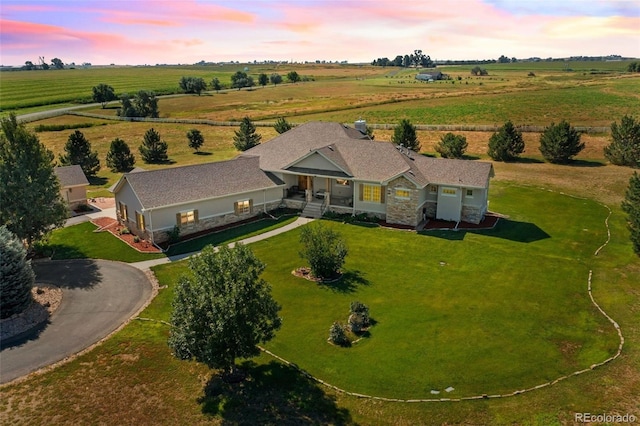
point(188, 217)
point(449, 191)
point(243, 207)
point(469, 193)
point(371, 193)
point(140, 221)
point(433, 189)
point(403, 193)
point(342, 182)
point(123, 211)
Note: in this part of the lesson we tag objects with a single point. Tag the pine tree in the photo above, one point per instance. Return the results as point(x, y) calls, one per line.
point(624, 149)
point(29, 189)
point(78, 151)
point(631, 206)
point(16, 275)
point(560, 143)
point(222, 310)
point(119, 157)
point(452, 146)
point(506, 144)
point(405, 134)
point(153, 149)
point(246, 137)
point(282, 125)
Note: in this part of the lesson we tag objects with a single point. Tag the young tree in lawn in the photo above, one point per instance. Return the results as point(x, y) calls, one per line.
point(275, 79)
point(240, 79)
point(560, 143)
point(506, 144)
point(246, 137)
point(153, 149)
point(624, 149)
point(103, 93)
point(222, 310)
point(263, 79)
point(282, 125)
point(195, 139)
point(16, 275)
point(216, 85)
point(452, 146)
point(405, 134)
point(29, 189)
point(293, 77)
point(324, 249)
point(78, 151)
point(119, 157)
point(631, 206)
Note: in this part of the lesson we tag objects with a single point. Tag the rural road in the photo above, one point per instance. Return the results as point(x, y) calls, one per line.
point(98, 297)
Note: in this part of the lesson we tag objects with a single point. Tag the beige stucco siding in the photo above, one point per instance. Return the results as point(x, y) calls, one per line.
point(74, 195)
point(379, 209)
point(128, 197)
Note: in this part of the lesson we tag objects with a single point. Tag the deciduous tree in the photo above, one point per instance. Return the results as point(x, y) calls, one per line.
point(57, 63)
point(506, 144)
point(624, 149)
point(16, 275)
point(119, 157)
point(143, 104)
point(631, 206)
point(195, 139)
point(263, 79)
point(103, 93)
point(293, 76)
point(216, 85)
point(153, 149)
point(560, 143)
point(405, 134)
point(324, 249)
point(78, 151)
point(275, 79)
point(193, 85)
point(240, 79)
point(452, 146)
point(29, 189)
point(222, 310)
point(246, 137)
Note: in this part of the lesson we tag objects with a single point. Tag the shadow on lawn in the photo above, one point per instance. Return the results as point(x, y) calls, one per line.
point(272, 394)
point(348, 283)
point(520, 232)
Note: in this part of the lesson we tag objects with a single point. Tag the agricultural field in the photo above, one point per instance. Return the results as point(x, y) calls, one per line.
point(509, 309)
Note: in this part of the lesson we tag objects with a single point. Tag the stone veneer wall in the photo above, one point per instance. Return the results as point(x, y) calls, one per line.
point(213, 222)
point(472, 214)
point(403, 211)
point(431, 209)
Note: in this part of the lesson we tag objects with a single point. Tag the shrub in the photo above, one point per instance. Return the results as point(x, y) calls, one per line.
point(506, 144)
point(174, 235)
point(452, 146)
point(337, 335)
point(624, 149)
point(559, 143)
point(136, 239)
point(125, 231)
point(359, 318)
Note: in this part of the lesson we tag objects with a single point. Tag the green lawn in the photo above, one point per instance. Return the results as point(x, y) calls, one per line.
point(507, 311)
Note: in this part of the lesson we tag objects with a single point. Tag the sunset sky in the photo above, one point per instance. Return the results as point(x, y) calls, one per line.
point(187, 31)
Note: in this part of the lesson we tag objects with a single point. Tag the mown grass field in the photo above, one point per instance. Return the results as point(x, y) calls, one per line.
point(536, 310)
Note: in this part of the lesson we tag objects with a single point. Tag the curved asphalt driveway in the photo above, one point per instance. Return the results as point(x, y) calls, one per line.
point(98, 296)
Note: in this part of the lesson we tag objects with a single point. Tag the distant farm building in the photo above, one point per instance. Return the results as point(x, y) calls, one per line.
point(430, 76)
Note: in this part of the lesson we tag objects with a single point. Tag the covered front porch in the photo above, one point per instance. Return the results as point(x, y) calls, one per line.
point(328, 191)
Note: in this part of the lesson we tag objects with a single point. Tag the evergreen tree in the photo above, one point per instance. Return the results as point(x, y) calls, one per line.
point(78, 151)
point(631, 206)
point(153, 149)
point(195, 139)
point(282, 125)
point(16, 275)
point(29, 189)
point(560, 143)
point(324, 249)
point(246, 137)
point(506, 144)
point(222, 310)
point(452, 146)
point(405, 134)
point(119, 157)
point(624, 149)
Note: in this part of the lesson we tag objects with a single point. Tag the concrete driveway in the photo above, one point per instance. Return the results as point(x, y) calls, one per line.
point(98, 297)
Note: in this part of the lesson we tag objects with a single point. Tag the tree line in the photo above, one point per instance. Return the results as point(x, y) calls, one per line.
point(415, 59)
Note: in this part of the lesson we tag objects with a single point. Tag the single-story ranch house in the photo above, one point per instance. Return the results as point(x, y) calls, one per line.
point(314, 167)
point(73, 185)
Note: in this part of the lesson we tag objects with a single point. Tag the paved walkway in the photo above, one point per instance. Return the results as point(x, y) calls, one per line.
point(298, 222)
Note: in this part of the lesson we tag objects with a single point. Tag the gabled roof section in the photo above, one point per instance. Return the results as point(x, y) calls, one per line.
point(180, 185)
point(71, 176)
point(325, 158)
point(443, 171)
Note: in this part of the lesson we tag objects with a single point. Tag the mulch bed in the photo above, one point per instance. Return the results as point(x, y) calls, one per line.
point(111, 225)
point(305, 273)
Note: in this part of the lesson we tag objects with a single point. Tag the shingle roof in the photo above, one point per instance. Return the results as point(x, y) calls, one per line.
point(178, 185)
point(71, 176)
point(364, 159)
